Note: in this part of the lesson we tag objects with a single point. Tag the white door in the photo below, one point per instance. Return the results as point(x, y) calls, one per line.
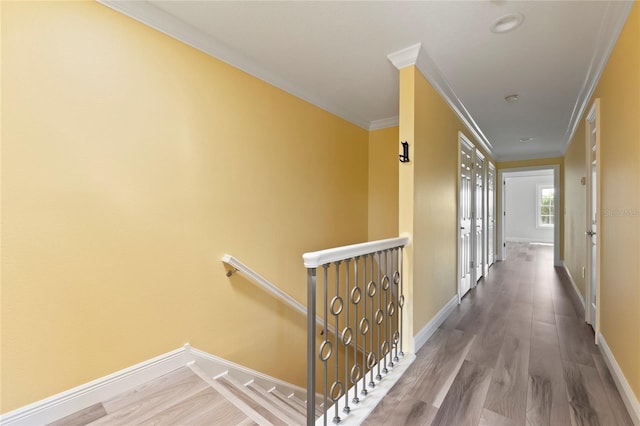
point(491, 209)
point(465, 208)
point(592, 275)
point(479, 229)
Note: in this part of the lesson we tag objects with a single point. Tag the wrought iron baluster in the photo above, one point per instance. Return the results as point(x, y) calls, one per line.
point(396, 290)
point(346, 336)
point(356, 296)
point(401, 298)
point(371, 292)
point(379, 319)
point(337, 304)
point(324, 353)
point(384, 347)
point(364, 327)
point(311, 345)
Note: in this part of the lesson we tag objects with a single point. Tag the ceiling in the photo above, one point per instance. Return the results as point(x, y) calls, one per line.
point(336, 55)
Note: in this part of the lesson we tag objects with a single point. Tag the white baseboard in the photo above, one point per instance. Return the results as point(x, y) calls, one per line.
point(63, 404)
point(573, 283)
point(427, 331)
point(629, 398)
point(69, 402)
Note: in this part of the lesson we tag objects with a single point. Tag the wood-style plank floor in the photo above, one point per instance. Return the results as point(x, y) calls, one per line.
point(516, 351)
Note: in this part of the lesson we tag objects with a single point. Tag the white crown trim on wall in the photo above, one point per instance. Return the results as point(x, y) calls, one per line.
point(405, 57)
point(415, 55)
point(168, 24)
point(612, 23)
point(384, 123)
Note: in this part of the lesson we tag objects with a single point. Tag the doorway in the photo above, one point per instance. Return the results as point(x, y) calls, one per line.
point(542, 209)
point(592, 241)
point(465, 216)
point(475, 211)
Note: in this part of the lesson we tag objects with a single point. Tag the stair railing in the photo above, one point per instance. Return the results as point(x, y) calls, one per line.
point(362, 298)
point(268, 286)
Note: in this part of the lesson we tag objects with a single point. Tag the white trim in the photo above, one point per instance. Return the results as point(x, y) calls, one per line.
point(415, 55)
point(427, 331)
point(573, 283)
point(430, 70)
point(168, 24)
point(214, 366)
point(405, 57)
point(628, 397)
point(608, 33)
point(65, 403)
point(68, 402)
point(319, 258)
point(384, 123)
point(359, 412)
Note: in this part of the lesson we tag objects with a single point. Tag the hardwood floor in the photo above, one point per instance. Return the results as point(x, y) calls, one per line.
point(515, 352)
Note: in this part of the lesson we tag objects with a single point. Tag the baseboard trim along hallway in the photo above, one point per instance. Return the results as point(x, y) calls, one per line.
point(628, 397)
point(573, 283)
point(427, 331)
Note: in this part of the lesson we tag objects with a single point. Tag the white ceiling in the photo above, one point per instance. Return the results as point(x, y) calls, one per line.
point(334, 55)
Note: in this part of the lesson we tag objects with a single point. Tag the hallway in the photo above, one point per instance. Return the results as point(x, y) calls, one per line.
point(516, 351)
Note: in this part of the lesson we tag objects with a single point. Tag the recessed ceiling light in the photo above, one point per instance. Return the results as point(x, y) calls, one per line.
point(526, 139)
point(512, 98)
point(507, 23)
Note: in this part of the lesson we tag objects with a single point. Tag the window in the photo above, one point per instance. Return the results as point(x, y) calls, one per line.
point(545, 206)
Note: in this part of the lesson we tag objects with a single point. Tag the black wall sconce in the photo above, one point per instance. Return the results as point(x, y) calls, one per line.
point(404, 157)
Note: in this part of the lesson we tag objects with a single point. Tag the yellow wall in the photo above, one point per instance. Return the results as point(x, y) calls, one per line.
point(407, 118)
point(428, 195)
point(383, 183)
point(575, 218)
point(619, 93)
point(559, 161)
point(130, 164)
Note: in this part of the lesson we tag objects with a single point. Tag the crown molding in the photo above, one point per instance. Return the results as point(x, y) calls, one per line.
point(405, 57)
point(415, 55)
point(384, 123)
point(430, 70)
point(158, 19)
point(610, 28)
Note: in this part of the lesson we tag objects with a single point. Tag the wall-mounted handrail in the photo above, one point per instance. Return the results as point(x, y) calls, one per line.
point(269, 287)
point(319, 258)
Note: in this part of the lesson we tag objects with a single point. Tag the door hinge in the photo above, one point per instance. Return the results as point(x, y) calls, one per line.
point(504, 244)
point(471, 264)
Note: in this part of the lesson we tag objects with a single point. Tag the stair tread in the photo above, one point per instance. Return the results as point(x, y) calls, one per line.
point(285, 408)
point(246, 407)
point(300, 409)
point(240, 392)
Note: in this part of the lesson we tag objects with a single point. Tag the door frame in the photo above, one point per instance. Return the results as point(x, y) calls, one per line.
point(483, 208)
point(501, 253)
point(462, 139)
point(491, 201)
point(593, 117)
